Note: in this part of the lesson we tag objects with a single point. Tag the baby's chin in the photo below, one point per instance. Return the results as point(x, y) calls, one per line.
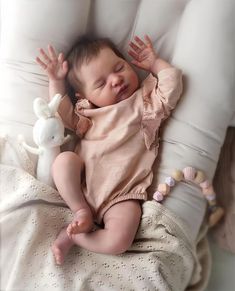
point(123, 96)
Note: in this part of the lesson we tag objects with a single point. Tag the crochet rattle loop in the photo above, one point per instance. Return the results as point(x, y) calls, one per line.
point(197, 177)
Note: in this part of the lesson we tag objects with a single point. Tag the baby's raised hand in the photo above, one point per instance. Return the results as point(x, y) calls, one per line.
point(143, 53)
point(55, 65)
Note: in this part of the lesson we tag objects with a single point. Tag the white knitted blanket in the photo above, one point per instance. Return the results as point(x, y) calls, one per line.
point(162, 256)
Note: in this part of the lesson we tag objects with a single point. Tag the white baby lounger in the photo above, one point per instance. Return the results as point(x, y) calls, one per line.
point(170, 251)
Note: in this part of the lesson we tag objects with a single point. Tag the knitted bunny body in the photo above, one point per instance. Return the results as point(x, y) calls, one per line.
point(48, 134)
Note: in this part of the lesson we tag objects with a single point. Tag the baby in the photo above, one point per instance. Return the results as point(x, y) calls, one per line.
point(118, 119)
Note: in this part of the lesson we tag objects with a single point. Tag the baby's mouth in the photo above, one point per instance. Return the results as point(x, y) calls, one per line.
point(121, 92)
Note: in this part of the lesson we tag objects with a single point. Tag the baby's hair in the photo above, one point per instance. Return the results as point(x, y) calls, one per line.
point(83, 51)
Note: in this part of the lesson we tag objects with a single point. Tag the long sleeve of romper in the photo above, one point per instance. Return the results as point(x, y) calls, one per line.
point(71, 117)
point(169, 89)
point(160, 96)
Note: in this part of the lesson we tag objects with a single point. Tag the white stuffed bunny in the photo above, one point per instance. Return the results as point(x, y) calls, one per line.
point(48, 134)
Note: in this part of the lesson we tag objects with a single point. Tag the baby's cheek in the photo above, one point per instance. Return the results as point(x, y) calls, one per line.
point(134, 82)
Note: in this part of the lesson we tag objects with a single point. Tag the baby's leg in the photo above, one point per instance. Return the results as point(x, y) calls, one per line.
point(66, 172)
point(121, 222)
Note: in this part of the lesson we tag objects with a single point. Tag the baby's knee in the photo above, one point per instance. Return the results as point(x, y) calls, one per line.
point(65, 160)
point(120, 243)
point(122, 221)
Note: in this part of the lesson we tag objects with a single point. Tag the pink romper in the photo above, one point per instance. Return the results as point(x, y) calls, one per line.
point(120, 141)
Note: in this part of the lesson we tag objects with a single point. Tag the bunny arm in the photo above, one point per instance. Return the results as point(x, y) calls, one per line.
point(36, 151)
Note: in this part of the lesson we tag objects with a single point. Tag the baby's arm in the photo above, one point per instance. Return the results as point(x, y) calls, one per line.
point(168, 89)
point(169, 85)
point(145, 57)
point(56, 68)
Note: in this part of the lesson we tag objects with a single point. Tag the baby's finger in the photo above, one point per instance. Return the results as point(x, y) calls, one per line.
point(139, 41)
point(41, 63)
point(65, 66)
point(138, 64)
point(148, 40)
point(133, 55)
point(61, 57)
point(134, 62)
point(52, 53)
point(44, 55)
point(134, 47)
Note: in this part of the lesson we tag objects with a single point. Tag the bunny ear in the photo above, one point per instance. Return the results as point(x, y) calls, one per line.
point(54, 104)
point(41, 108)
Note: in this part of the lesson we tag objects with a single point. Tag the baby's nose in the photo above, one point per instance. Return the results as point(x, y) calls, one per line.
point(116, 80)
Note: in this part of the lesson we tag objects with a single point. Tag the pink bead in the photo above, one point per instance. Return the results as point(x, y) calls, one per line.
point(170, 181)
point(189, 173)
point(158, 196)
point(205, 184)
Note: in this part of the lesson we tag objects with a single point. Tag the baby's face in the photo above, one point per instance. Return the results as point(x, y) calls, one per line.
point(107, 79)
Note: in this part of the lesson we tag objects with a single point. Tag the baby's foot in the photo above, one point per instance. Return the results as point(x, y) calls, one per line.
point(82, 222)
point(61, 246)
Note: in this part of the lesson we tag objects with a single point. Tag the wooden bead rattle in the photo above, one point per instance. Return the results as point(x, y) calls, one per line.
point(199, 178)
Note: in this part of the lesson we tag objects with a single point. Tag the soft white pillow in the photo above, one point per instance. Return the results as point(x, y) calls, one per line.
point(205, 51)
point(28, 25)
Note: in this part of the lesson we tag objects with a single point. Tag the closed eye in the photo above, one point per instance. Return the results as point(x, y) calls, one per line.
point(100, 84)
point(119, 67)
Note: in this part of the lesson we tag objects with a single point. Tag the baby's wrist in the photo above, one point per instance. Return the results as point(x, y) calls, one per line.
point(155, 65)
point(56, 82)
point(57, 87)
point(159, 65)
